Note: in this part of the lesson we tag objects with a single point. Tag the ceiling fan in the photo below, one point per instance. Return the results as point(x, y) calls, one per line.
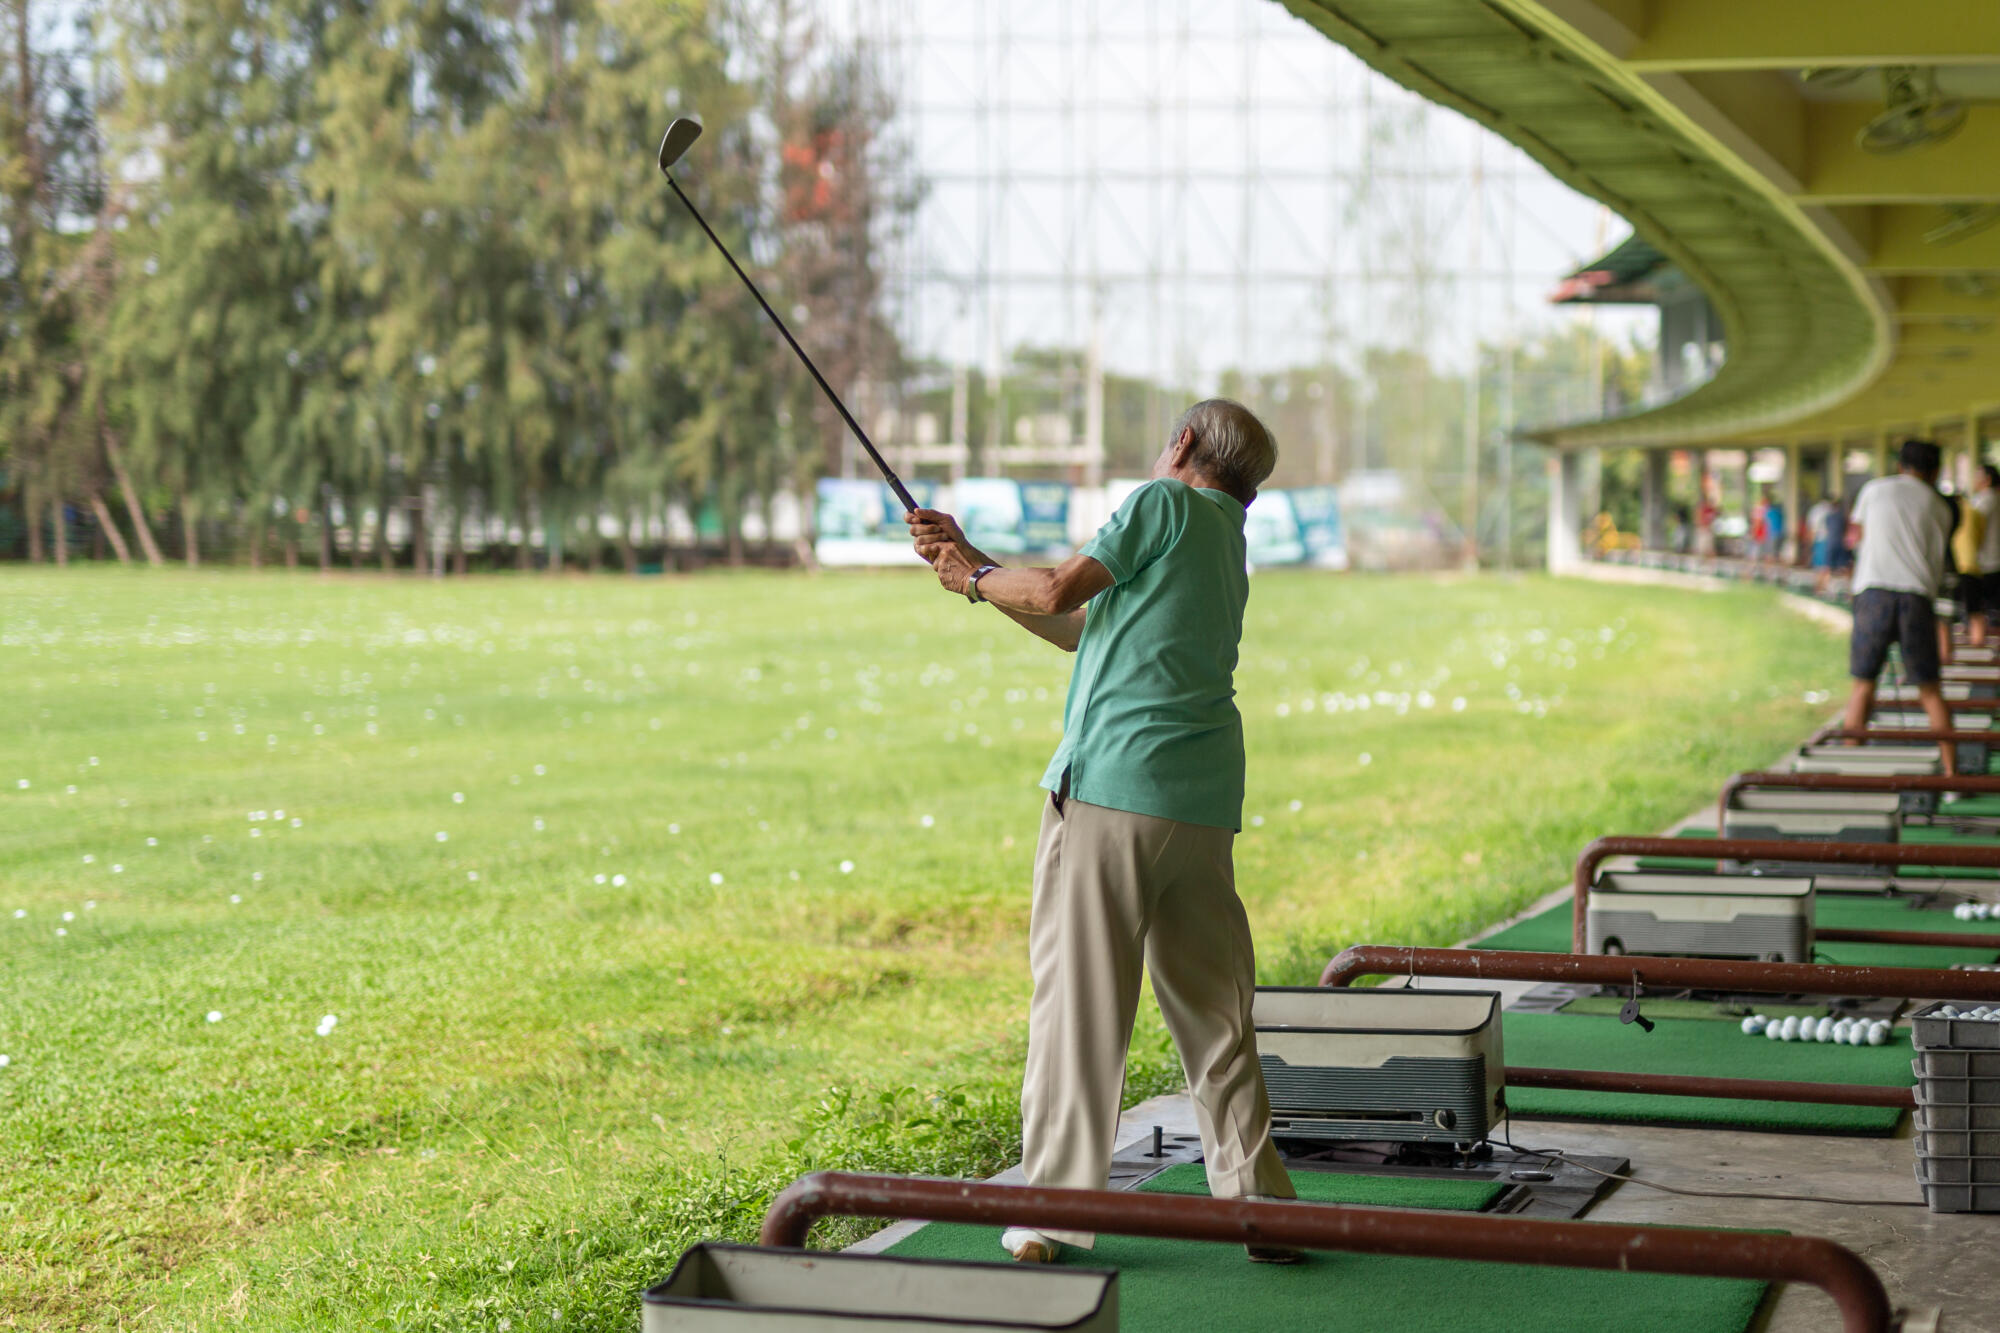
point(1916, 114)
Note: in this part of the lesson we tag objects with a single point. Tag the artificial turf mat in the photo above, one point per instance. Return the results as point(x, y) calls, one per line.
point(1696, 1046)
point(1345, 1187)
point(1548, 932)
point(1184, 1284)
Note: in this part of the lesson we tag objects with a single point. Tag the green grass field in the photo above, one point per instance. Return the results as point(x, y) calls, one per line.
point(631, 899)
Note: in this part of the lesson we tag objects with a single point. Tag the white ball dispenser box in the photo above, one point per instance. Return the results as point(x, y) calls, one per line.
point(1760, 917)
point(1381, 1064)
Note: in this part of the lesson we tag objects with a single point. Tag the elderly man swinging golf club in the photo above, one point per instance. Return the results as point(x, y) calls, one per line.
point(1145, 799)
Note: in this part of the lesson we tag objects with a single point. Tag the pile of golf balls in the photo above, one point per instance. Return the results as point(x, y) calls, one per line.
point(1843, 1031)
point(1974, 911)
point(1981, 1014)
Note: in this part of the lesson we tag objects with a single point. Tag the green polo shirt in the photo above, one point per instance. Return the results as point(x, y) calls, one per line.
point(1151, 725)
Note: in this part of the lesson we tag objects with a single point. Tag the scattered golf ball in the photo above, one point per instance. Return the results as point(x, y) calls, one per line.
point(5, 1060)
point(215, 1015)
point(715, 877)
point(443, 836)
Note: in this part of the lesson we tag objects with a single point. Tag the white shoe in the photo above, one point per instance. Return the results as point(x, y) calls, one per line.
point(1028, 1247)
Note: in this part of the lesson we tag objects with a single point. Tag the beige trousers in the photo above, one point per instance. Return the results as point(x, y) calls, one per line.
point(1113, 890)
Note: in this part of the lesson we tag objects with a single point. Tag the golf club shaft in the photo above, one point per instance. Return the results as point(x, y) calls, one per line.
point(888, 474)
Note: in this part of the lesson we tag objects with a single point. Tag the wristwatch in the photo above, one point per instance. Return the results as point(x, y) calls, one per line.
point(972, 584)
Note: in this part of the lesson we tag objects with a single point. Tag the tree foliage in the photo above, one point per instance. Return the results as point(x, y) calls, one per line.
point(391, 275)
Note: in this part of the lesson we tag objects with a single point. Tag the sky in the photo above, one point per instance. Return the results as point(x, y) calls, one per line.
point(1201, 184)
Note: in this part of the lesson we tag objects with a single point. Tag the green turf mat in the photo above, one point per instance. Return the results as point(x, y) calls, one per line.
point(1696, 1046)
point(1170, 1285)
point(1548, 932)
point(1927, 833)
point(1345, 1187)
point(1973, 805)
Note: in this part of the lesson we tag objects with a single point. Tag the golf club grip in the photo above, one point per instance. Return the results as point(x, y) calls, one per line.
point(888, 474)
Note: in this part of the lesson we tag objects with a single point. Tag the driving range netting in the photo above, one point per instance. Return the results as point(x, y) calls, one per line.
point(1696, 1046)
point(1183, 1284)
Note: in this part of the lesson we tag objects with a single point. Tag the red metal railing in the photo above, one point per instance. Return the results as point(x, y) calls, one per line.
point(1597, 969)
point(1851, 782)
point(1702, 1085)
point(1909, 735)
point(1694, 1252)
point(1749, 849)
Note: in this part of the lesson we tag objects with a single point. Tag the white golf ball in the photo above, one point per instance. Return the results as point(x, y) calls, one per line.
point(1981, 911)
point(1963, 911)
point(1858, 1034)
point(1775, 1031)
point(1878, 1034)
point(1949, 1011)
point(1753, 1024)
point(1789, 1029)
point(1821, 1030)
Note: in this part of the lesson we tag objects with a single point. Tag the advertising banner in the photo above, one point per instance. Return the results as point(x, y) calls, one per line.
point(989, 509)
point(1045, 515)
point(1317, 509)
point(860, 522)
point(1271, 531)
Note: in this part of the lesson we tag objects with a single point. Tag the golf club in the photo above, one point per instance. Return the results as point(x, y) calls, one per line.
point(680, 137)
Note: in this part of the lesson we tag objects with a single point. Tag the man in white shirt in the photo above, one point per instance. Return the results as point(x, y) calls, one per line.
point(1901, 528)
point(1982, 585)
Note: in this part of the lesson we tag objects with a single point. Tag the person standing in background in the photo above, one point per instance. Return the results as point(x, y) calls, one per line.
point(1985, 590)
point(1902, 527)
point(1821, 554)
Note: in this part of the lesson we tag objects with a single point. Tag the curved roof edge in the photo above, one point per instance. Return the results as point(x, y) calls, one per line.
point(1806, 326)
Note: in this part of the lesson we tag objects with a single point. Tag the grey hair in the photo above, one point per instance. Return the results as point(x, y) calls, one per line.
point(1230, 444)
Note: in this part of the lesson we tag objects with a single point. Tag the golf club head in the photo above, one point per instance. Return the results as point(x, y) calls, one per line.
point(680, 137)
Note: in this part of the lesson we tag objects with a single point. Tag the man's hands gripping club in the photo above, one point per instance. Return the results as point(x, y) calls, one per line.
point(942, 544)
point(1046, 602)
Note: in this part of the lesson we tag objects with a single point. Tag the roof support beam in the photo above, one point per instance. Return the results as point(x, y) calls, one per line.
point(1900, 246)
point(1964, 168)
point(1800, 34)
point(1929, 300)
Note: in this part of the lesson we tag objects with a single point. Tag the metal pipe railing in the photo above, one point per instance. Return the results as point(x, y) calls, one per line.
point(1752, 849)
point(1912, 735)
point(1701, 1085)
point(1851, 782)
point(1627, 970)
point(1939, 939)
point(1954, 705)
point(1686, 1251)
